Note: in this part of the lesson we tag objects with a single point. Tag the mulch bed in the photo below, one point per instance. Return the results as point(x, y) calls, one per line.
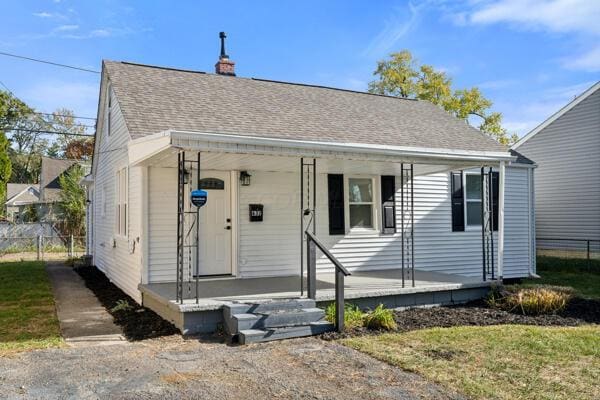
point(137, 322)
point(578, 312)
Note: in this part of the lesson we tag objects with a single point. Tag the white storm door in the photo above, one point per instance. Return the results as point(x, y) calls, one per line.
point(214, 247)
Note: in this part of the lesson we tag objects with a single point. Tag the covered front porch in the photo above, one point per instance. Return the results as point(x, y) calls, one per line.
point(397, 250)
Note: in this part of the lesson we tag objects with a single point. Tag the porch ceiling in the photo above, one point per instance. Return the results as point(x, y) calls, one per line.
point(161, 151)
point(271, 163)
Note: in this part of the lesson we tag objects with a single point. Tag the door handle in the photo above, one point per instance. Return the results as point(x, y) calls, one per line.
point(228, 227)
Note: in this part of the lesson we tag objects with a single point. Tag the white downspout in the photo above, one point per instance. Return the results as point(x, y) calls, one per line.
point(501, 221)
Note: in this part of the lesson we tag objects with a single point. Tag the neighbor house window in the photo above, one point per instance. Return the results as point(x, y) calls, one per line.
point(361, 203)
point(121, 202)
point(473, 199)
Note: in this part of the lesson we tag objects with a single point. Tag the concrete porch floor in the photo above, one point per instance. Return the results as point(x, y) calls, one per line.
point(213, 293)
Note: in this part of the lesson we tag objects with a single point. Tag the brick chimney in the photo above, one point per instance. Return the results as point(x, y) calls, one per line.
point(224, 66)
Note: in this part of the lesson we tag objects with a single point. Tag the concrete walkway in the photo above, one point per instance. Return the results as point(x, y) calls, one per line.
point(83, 320)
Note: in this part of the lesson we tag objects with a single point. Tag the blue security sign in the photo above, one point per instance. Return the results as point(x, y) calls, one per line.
point(199, 197)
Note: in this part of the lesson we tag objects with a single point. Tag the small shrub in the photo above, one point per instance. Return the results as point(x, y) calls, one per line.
point(380, 318)
point(530, 300)
point(122, 305)
point(353, 316)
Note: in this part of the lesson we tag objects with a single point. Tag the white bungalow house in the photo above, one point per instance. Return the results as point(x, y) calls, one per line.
point(391, 188)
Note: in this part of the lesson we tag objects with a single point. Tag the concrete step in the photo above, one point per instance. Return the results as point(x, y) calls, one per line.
point(248, 336)
point(267, 306)
point(273, 319)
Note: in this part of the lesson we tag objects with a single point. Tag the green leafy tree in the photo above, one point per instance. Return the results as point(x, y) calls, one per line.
point(11, 110)
point(401, 77)
point(30, 213)
point(73, 201)
point(5, 169)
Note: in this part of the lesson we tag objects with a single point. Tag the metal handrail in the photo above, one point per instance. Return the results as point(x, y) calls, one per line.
point(340, 274)
point(328, 254)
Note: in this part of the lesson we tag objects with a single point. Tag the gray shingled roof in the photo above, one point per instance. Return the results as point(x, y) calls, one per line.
point(51, 169)
point(155, 99)
point(13, 189)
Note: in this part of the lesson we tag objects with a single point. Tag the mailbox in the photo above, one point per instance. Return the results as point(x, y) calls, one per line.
point(199, 197)
point(256, 212)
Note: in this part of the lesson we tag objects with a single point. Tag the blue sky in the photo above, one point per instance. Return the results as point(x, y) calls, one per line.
point(529, 57)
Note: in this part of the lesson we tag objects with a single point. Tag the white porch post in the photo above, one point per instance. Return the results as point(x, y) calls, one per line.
point(501, 221)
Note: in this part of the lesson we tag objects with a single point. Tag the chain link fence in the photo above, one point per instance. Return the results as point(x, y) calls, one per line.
point(41, 247)
point(588, 249)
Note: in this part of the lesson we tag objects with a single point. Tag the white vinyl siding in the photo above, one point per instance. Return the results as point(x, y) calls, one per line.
point(272, 247)
point(567, 179)
point(118, 256)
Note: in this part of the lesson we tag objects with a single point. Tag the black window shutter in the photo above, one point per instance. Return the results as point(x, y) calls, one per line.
point(335, 188)
point(495, 190)
point(457, 199)
point(388, 203)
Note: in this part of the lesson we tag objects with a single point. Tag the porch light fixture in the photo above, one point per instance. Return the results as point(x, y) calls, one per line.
point(245, 178)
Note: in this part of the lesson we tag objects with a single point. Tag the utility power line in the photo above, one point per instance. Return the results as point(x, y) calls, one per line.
point(62, 115)
point(47, 132)
point(48, 62)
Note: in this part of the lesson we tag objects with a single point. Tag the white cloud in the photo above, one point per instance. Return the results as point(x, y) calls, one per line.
point(394, 29)
point(497, 84)
point(64, 28)
point(549, 15)
point(49, 15)
point(578, 18)
point(588, 61)
point(522, 117)
point(79, 96)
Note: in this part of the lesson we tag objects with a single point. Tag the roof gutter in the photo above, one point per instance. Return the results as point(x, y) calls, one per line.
point(374, 149)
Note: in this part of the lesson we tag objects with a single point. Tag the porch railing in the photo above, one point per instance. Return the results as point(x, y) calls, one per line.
point(312, 243)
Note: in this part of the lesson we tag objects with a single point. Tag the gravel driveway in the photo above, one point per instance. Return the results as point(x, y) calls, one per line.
point(174, 368)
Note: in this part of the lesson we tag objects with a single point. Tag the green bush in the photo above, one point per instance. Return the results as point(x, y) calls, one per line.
point(353, 316)
point(122, 305)
point(530, 300)
point(380, 318)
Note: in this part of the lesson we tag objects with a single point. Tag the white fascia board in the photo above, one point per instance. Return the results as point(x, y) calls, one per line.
point(557, 115)
point(145, 147)
point(366, 149)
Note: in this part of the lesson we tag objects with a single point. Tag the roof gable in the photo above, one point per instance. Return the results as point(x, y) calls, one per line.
point(21, 192)
point(154, 99)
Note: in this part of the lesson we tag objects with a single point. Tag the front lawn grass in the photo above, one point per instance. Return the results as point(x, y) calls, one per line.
point(27, 312)
point(572, 272)
point(497, 362)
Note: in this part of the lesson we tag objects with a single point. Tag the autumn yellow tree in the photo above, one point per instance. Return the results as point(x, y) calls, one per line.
point(401, 76)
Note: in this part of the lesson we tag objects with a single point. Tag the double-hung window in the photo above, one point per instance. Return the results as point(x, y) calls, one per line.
point(473, 199)
point(361, 203)
point(466, 201)
point(121, 202)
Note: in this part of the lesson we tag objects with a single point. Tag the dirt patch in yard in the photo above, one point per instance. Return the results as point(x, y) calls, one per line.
point(137, 322)
point(578, 312)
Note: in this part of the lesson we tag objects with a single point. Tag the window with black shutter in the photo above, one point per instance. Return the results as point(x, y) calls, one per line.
point(335, 189)
point(457, 199)
point(388, 209)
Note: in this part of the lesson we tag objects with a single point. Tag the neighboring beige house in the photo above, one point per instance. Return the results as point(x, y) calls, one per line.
point(43, 199)
point(20, 197)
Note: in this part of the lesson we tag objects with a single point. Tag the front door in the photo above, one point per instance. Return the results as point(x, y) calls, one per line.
point(214, 247)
